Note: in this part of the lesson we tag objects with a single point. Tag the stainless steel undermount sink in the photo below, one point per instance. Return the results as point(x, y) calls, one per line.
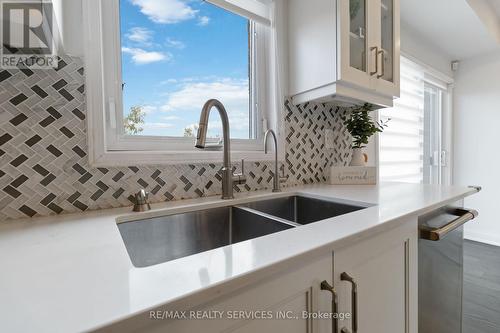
point(303, 210)
point(166, 238)
point(156, 240)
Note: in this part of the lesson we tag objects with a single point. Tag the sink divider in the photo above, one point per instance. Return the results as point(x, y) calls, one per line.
point(269, 216)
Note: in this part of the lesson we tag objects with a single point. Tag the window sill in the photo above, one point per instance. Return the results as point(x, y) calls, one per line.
point(135, 158)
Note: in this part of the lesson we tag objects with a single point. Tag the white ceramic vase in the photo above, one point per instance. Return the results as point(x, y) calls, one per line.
point(358, 157)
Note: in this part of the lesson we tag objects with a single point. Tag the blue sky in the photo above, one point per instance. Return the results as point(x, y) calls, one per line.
point(176, 54)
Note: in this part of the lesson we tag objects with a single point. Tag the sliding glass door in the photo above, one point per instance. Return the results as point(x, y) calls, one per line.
point(415, 146)
point(435, 153)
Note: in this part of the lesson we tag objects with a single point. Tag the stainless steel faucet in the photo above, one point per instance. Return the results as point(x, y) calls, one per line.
point(228, 178)
point(141, 201)
point(277, 180)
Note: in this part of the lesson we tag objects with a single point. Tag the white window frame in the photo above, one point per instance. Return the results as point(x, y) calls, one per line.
point(109, 146)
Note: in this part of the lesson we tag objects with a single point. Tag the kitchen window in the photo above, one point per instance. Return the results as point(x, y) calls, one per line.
point(416, 145)
point(158, 61)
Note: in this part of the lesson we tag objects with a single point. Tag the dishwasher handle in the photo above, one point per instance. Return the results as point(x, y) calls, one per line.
point(463, 216)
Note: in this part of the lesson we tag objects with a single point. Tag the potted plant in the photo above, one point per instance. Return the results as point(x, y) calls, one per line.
point(361, 127)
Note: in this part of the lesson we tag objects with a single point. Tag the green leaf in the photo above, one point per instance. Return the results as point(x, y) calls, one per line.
point(361, 126)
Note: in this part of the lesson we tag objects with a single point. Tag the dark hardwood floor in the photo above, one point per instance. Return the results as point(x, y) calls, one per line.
point(481, 307)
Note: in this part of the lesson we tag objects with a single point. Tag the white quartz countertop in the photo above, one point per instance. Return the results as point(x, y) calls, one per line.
point(72, 273)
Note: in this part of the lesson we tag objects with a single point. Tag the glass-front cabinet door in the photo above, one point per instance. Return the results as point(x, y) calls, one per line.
point(386, 36)
point(352, 55)
point(368, 53)
point(357, 34)
point(387, 40)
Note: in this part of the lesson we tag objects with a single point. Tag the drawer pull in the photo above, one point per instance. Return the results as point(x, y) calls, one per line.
point(354, 300)
point(326, 286)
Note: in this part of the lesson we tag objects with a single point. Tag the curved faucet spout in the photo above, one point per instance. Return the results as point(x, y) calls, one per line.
point(201, 137)
point(276, 177)
point(228, 178)
point(273, 134)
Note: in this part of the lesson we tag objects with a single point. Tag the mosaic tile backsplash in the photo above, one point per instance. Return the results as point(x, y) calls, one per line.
point(44, 167)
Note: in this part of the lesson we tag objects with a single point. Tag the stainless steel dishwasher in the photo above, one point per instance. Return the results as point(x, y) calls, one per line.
point(440, 269)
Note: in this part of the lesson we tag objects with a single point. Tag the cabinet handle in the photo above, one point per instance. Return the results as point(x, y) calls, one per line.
point(326, 286)
point(381, 52)
point(375, 48)
point(463, 216)
point(354, 300)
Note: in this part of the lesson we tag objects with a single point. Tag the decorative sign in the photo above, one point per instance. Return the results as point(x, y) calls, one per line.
point(353, 175)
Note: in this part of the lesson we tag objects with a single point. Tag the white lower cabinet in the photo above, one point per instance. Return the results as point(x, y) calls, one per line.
point(284, 299)
point(376, 281)
point(383, 273)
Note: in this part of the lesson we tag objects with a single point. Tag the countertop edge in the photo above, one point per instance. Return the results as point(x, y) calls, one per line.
point(432, 201)
point(278, 267)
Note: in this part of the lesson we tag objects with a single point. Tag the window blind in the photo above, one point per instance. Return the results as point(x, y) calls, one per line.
point(401, 144)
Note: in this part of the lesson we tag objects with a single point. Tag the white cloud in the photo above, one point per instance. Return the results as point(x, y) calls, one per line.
point(203, 20)
point(152, 109)
point(207, 78)
point(232, 93)
point(142, 57)
point(177, 44)
point(237, 120)
point(140, 35)
point(170, 118)
point(148, 109)
point(168, 81)
point(157, 125)
point(166, 11)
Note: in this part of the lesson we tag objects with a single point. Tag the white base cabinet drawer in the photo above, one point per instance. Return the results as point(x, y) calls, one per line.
point(383, 270)
point(282, 299)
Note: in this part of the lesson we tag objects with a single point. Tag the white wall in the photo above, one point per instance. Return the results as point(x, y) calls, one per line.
point(417, 47)
point(69, 22)
point(477, 138)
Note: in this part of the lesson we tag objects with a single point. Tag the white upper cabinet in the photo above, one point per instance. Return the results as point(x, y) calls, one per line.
point(344, 51)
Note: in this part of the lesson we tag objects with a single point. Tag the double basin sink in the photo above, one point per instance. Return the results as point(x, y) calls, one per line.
point(160, 239)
